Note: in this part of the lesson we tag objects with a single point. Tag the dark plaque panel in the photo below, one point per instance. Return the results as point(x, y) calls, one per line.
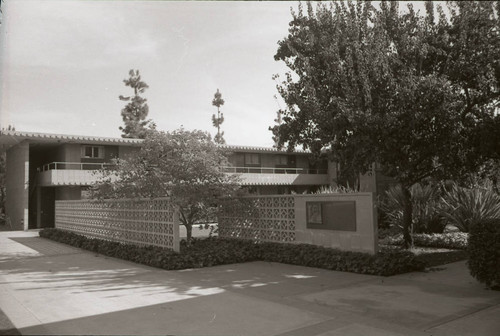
point(333, 215)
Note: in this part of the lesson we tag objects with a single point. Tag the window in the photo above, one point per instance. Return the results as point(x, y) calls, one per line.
point(252, 159)
point(281, 160)
point(94, 152)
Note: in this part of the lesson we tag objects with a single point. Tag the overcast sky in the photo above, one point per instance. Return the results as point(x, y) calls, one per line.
point(63, 63)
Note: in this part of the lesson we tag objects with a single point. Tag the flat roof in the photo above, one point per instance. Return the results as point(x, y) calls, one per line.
point(12, 138)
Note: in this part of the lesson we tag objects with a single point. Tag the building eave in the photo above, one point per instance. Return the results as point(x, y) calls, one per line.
point(257, 149)
point(12, 138)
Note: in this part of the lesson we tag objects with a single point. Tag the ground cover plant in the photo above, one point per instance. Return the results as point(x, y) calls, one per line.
point(433, 249)
point(436, 257)
point(218, 251)
point(450, 240)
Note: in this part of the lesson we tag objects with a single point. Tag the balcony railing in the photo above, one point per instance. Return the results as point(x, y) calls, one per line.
point(74, 166)
point(236, 170)
point(270, 170)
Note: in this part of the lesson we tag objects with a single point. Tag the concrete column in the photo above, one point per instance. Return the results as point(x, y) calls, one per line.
point(17, 186)
point(38, 207)
point(332, 173)
point(368, 181)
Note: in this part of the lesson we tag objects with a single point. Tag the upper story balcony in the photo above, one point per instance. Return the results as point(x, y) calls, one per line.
point(69, 173)
point(79, 173)
point(279, 176)
point(271, 170)
point(73, 166)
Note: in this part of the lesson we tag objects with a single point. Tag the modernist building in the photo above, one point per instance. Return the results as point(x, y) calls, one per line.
point(43, 168)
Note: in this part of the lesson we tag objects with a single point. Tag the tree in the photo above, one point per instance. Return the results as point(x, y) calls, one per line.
point(217, 121)
point(183, 165)
point(1, 12)
point(404, 90)
point(135, 112)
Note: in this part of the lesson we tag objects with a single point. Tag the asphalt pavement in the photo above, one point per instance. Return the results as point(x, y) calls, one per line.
point(48, 288)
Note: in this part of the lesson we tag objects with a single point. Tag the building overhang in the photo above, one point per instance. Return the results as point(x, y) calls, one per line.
point(12, 138)
point(257, 149)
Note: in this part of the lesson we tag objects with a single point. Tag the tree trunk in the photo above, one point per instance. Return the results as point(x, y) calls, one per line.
point(189, 232)
point(407, 217)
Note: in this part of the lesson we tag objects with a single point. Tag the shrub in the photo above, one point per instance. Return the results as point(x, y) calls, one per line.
point(426, 216)
point(484, 252)
point(463, 207)
point(338, 189)
point(452, 240)
point(218, 251)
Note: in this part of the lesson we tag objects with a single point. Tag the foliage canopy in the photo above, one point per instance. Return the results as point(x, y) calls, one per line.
point(183, 165)
point(412, 92)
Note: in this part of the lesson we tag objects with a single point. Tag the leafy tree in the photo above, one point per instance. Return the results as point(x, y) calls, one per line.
point(405, 90)
point(277, 121)
point(1, 11)
point(217, 121)
point(183, 165)
point(135, 112)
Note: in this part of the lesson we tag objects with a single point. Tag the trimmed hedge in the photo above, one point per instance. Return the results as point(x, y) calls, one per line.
point(484, 252)
point(384, 263)
point(218, 251)
point(452, 240)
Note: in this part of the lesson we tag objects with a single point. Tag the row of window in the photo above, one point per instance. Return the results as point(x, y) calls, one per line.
point(254, 159)
point(97, 152)
point(92, 152)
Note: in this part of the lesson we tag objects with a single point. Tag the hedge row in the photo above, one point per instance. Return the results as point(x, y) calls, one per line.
point(384, 263)
point(452, 240)
point(218, 251)
point(484, 252)
point(228, 252)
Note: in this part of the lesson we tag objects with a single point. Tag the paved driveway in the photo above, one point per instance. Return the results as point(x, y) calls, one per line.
point(51, 288)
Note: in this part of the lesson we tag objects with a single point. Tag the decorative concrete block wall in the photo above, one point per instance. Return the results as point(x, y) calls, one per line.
point(140, 222)
point(17, 186)
point(260, 218)
point(345, 221)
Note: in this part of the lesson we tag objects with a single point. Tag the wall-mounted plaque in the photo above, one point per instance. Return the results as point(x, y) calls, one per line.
point(314, 215)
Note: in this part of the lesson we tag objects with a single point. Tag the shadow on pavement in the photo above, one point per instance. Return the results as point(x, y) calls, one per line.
point(6, 326)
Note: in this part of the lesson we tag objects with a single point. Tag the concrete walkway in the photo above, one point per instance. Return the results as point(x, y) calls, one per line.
point(50, 288)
